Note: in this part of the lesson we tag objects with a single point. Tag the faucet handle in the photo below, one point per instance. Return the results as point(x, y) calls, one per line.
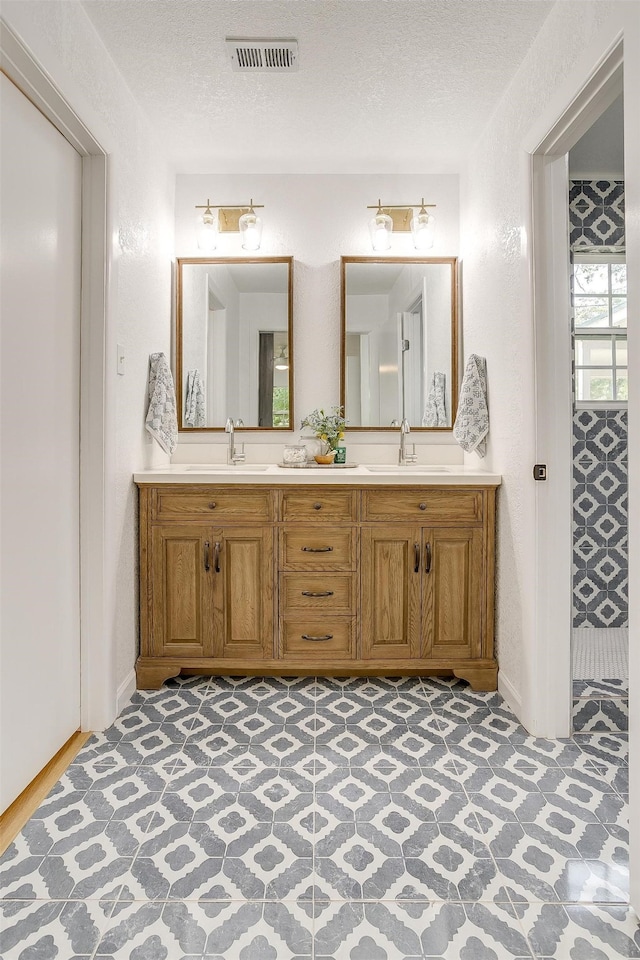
point(240, 455)
point(411, 457)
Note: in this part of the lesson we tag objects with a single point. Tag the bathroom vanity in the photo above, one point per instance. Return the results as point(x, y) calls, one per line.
point(369, 571)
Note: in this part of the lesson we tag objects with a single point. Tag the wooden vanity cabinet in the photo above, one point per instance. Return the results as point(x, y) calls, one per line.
point(304, 580)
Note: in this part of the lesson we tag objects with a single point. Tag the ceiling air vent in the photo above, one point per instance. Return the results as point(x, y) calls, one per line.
point(265, 56)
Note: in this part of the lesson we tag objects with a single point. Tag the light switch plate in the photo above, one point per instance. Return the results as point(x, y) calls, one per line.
point(120, 360)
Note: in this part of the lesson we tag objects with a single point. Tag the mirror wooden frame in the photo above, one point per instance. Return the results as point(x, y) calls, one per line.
point(455, 385)
point(180, 263)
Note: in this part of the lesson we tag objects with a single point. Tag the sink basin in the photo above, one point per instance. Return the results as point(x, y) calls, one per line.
point(227, 467)
point(408, 468)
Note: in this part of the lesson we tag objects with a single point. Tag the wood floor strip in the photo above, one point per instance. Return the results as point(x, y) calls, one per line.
point(23, 807)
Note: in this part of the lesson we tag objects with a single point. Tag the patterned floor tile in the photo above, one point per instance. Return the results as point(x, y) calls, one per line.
point(413, 930)
point(51, 928)
point(600, 715)
point(230, 818)
point(612, 748)
point(592, 932)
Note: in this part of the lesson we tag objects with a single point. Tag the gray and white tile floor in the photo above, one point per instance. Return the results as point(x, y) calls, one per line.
point(360, 819)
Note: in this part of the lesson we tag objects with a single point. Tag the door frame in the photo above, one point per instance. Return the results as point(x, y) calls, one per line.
point(594, 84)
point(550, 695)
point(97, 661)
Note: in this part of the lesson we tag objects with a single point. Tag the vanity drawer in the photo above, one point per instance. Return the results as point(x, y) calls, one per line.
point(423, 504)
point(318, 548)
point(319, 638)
point(218, 504)
point(329, 505)
point(326, 592)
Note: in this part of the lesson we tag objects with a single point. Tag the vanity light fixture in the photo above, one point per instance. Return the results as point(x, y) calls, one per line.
point(222, 218)
point(207, 228)
point(422, 228)
point(401, 218)
point(380, 228)
point(250, 229)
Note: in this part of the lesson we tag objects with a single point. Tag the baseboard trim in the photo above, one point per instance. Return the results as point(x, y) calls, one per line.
point(24, 806)
point(510, 694)
point(126, 688)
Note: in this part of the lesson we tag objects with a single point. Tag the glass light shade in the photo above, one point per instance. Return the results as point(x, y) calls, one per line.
point(250, 231)
point(381, 228)
point(207, 230)
point(422, 230)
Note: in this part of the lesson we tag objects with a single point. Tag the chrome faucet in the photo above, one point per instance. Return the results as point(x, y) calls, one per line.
point(233, 455)
point(403, 457)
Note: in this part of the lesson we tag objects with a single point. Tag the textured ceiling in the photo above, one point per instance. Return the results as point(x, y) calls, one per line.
point(383, 85)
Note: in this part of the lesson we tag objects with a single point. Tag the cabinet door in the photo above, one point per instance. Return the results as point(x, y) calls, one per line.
point(391, 579)
point(453, 609)
point(182, 605)
point(243, 593)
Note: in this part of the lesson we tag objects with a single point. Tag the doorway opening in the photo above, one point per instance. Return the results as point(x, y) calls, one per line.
point(600, 575)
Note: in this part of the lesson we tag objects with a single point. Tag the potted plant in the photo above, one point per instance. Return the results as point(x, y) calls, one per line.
point(329, 428)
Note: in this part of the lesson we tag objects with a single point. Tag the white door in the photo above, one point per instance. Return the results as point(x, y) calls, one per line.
point(40, 195)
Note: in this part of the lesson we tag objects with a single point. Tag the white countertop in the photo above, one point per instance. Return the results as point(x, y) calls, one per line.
point(271, 474)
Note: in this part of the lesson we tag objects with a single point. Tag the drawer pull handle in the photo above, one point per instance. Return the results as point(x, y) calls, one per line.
point(317, 549)
point(212, 505)
point(422, 506)
point(327, 636)
point(416, 558)
point(217, 557)
point(427, 568)
point(323, 593)
point(207, 565)
point(317, 506)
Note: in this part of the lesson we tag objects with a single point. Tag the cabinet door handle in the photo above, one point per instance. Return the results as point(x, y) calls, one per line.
point(207, 565)
point(317, 506)
point(217, 556)
point(427, 566)
point(317, 549)
point(416, 554)
point(323, 593)
point(327, 636)
point(422, 506)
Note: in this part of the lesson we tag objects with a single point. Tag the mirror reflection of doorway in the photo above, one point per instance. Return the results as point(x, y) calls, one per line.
point(273, 379)
point(600, 635)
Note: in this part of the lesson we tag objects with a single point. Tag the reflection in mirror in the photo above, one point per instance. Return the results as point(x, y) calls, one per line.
point(399, 339)
point(234, 343)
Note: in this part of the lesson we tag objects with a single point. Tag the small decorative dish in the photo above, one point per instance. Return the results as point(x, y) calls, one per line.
point(325, 459)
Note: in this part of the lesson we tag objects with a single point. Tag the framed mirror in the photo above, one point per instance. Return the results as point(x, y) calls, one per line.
point(234, 343)
point(399, 342)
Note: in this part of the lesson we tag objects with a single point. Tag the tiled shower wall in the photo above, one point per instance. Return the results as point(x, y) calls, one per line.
point(600, 574)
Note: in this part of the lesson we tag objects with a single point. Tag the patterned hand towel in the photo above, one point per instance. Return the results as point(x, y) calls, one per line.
point(435, 414)
point(161, 420)
point(194, 415)
point(472, 420)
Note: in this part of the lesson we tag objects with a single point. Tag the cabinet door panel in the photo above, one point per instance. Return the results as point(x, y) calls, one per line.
point(243, 592)
point(182, 591)
point(391, 592)
point(453, 609)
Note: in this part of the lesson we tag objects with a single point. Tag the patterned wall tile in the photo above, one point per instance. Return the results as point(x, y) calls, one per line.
point(600, 487)
point(596, 213)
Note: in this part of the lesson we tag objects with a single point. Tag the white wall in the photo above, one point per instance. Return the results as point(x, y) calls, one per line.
point(140, 211)
point(317, 219)
point(497, 294)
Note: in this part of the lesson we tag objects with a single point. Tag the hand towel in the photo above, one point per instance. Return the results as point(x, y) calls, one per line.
point(194, 415)
point(161, 420)
point(435, 414)
point(472, 420)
